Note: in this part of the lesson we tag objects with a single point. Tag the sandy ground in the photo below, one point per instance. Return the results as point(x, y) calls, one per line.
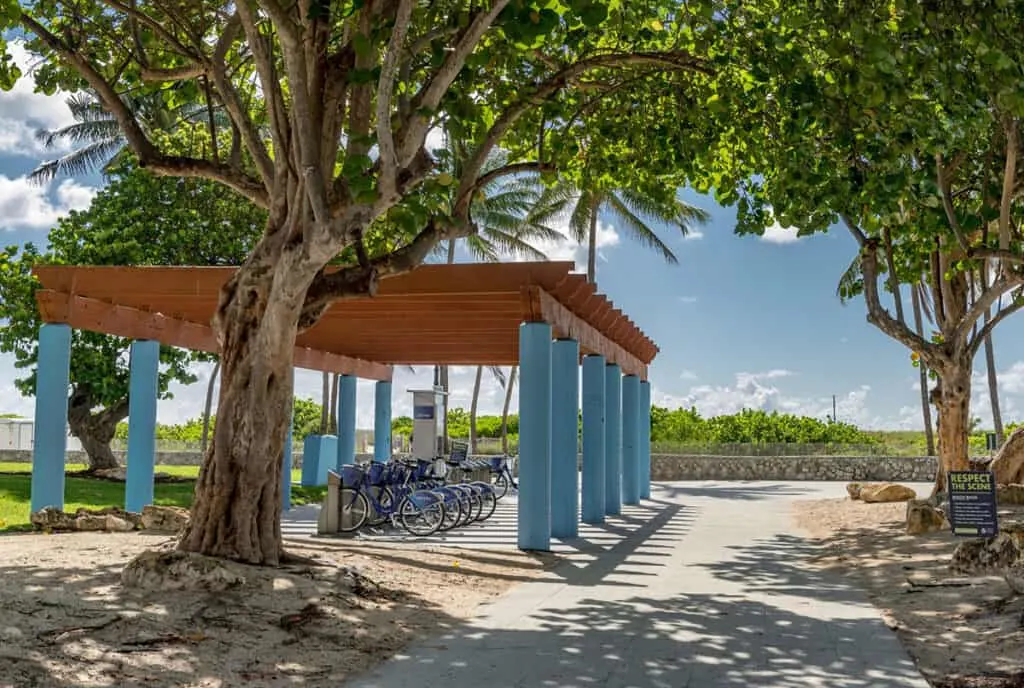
point(67, 621)
point(962, 632)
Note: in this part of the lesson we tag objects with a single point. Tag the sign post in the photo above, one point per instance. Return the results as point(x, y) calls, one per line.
point(972, 504)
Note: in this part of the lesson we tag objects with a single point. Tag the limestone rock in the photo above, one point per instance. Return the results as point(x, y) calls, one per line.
point(112, 520)
point(986, 556)
point(1008, 464)
point(1010, 495)
point(923, 517)
point(164, 519)
point(181, 571)
point(887, 492)
point(1015, 577)
point(50, 518)
point(856, 490)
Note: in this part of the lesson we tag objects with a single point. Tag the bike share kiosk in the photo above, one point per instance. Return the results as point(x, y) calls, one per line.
point(428, 423)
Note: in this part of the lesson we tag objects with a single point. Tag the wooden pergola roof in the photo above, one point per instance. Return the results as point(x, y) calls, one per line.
point(462, 314)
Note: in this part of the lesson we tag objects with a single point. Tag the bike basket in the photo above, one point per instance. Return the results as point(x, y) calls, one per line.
point(497, 463)
point(377, 473)
point(351, 475)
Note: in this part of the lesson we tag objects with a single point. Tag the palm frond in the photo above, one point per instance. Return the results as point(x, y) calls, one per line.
point(499, 375)
point(512, 245)
point(851, 282)
point(670, 211)
point(637, 228)
point(81, 161)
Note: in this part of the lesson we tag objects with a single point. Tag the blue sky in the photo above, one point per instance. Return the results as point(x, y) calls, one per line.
point(741, 321)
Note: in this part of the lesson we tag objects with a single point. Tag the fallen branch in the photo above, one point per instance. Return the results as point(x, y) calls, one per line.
point(55, 634)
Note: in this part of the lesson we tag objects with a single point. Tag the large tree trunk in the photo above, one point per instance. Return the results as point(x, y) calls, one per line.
point(95, 430)
point(926, 409)
point(954, 401)
point(207, 409)
point(504, 411)
point(237, 509)
point(473, 407)
point(993, 385)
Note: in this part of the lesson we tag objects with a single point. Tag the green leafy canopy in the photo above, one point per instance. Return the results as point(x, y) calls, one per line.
point(139, 219)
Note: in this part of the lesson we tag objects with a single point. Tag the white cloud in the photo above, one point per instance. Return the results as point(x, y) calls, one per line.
point(777, 234)
point(30, 206)
point(693, 235)
point(687, 375)
point(23, 111)
point(687, 299)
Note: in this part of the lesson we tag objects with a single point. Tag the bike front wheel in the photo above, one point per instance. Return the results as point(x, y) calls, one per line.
point(421, 514)
point(353, 509)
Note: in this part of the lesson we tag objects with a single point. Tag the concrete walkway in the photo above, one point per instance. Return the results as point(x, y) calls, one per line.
point(703, 586)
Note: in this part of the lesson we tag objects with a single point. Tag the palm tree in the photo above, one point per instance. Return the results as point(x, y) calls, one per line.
point(96, 138)
point(512, 214)
point(633, 212)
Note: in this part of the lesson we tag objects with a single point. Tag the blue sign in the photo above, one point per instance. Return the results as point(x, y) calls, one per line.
point(972, 504)
point(423, 412)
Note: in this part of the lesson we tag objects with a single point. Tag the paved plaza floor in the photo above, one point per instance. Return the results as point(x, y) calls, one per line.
point(702, 586)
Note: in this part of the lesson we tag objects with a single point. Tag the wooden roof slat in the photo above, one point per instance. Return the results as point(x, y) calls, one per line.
point(446, 314)
point(98, 316)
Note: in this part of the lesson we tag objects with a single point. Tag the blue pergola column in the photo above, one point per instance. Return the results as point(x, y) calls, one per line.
point(631, 439)
point(534, 519)
point(613, 440)
point(645, 440)
point(382, 421)
point(53, 375)
point(593, 439)
point(565, 404)
point(142, 395)
point(346, 420)
point(286, 461)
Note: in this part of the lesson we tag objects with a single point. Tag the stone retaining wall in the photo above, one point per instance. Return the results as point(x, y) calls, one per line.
point(839, 468)
point(674, 467)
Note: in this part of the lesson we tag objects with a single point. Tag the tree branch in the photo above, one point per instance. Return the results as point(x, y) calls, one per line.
point(943, 181)
point(1007, 282)
point(157, 27)
point(385, 91)
point(537, 95)
point(182, 73)
point(985, 331)
point(148, 154)
point(880, 317)
point(1009, 182)
point(363, 280)
point(415, 129)
point(855, 231)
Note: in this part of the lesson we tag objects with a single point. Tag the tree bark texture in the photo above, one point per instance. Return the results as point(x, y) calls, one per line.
point(592, 245)
point(954, 400)
point(993, 385)
point(238, 495)
point(473, 404)
point(208, 408)
point(926, 409)
point(95, 430)
point(504, 411)
point(325, 404)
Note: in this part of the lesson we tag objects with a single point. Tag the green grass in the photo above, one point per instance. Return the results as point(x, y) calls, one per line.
point(176, 471)
point(91, 493)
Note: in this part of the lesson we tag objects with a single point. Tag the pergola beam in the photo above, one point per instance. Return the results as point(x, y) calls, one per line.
point(569, 325)
point(122, 321)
